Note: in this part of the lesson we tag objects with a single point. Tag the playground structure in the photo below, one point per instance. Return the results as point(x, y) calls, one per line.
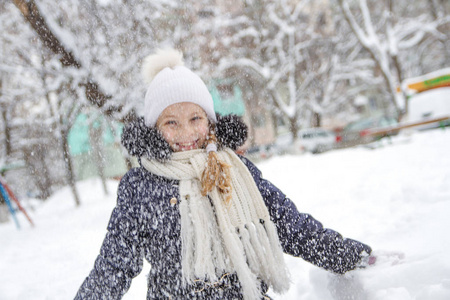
point(7, 195)
point(433, 80)
point(429, 103)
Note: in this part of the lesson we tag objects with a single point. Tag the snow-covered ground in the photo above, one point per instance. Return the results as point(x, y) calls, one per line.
point(395, 198)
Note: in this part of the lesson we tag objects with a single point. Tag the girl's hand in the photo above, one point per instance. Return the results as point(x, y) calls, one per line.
point(382, 257)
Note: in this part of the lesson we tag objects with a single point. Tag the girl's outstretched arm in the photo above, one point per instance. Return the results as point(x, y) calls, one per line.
point(121, 255)
point(303, 236)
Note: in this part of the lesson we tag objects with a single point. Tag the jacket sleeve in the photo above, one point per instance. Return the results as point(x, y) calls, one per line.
point(302, 236)
point(121, 255)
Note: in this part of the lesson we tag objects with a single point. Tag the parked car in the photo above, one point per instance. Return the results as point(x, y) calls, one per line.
point(314, 140)
point(317, 140)
point(284, 144)
point(260, 152)
point(358, 132)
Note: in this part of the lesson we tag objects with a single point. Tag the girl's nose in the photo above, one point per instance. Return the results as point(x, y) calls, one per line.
point(187, 132)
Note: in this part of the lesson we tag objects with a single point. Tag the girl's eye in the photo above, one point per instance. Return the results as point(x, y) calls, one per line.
point(196, 118)
point(171, 122)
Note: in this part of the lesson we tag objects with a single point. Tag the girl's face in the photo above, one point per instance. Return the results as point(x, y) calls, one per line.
point(184, 126)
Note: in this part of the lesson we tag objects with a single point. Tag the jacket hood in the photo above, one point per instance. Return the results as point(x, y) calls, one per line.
point(144, 141)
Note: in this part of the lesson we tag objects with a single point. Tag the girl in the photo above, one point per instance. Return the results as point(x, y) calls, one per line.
point(210, 226)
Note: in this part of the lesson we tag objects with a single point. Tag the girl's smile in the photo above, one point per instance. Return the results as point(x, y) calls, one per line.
point(187, 146)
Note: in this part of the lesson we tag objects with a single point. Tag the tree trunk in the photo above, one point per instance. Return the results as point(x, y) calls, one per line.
point(396, 64)
point(35, 160)
point(69, 166)
point(316, 120)
point(95, 135)
point(274, 122)
point(4, 113)
point(293, 127)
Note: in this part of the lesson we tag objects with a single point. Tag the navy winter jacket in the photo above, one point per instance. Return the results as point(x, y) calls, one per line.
point(145, 224)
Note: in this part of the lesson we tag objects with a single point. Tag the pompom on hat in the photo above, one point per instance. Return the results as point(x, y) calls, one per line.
point(170, 82)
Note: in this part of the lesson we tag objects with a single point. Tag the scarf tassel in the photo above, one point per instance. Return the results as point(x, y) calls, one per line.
point(263, 260)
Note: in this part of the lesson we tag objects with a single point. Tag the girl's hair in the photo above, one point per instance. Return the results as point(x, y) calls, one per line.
point(217, 172)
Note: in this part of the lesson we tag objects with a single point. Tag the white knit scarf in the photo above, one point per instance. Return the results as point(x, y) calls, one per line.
point(219, 238)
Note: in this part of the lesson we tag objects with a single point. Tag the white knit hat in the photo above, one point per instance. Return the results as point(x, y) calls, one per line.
point(171, 82)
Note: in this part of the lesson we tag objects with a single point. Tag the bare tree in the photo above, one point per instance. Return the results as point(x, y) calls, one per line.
point(276, 45)
point(32, 14)
point(100, 69)
point(387, 38)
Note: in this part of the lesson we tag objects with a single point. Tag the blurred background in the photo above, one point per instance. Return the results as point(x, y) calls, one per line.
point(306, 76)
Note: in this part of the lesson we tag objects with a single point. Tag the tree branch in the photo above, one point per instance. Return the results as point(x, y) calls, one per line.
point(34, 17)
